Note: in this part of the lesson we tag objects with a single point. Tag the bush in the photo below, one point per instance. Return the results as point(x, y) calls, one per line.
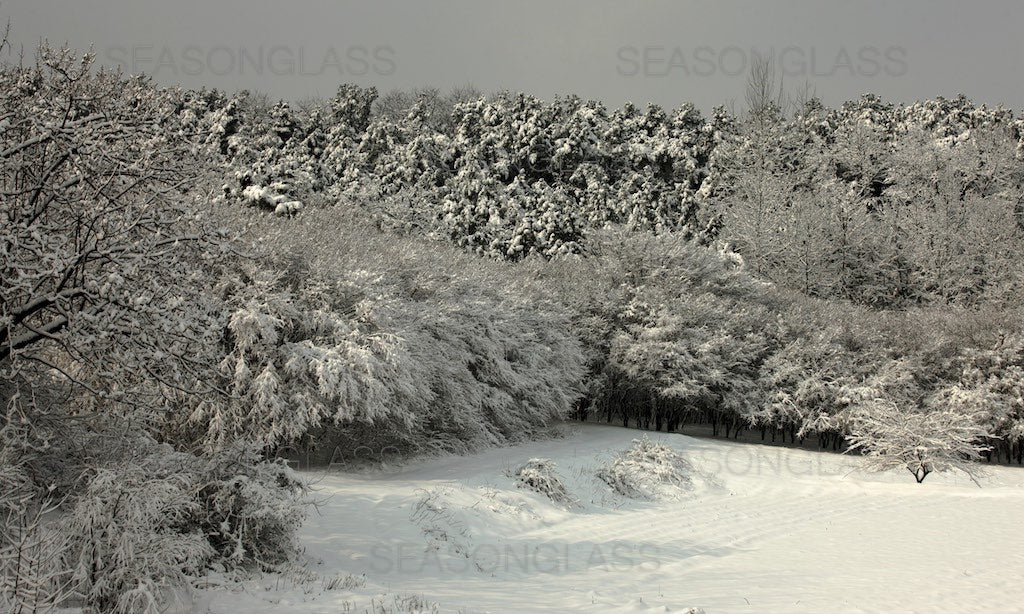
point(648, 471)
point(432, 349)
point(540, 475)
point(143, 526)
point(134, 533)
point(140, 525)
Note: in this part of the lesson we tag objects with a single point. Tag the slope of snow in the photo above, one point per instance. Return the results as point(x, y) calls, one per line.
point(764, 529)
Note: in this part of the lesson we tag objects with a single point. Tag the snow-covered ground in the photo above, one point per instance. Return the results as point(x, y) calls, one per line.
point(763, 529)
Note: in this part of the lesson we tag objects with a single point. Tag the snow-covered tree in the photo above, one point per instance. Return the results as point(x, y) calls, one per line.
point(105, 253)
point(992, 385)
point(898, 421)
point(919, 440)
point(108, 336)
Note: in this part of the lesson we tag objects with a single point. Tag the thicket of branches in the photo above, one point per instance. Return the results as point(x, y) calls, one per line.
point(107, 338)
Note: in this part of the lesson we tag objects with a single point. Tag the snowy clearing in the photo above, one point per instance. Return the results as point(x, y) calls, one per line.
point(758, 529)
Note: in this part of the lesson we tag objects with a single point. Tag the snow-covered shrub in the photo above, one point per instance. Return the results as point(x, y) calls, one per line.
point(436, 350)
point(134, 534)
point(920, 439)
point(298, 354)
point(648, 471)
point(251, 508)
point(32, 576)
point(142, 526)
point(541, 475)
point(491, 372)
point(992, 384)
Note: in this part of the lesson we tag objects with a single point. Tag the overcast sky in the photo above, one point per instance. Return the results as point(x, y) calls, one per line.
point(650, 51)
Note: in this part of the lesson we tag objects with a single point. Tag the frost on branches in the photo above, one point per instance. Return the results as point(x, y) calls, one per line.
point(648, 471)
point(919, 441)
point(297, 358)
point(107, 335)
point(541, 475)
point(100, 238)
point(896, 424)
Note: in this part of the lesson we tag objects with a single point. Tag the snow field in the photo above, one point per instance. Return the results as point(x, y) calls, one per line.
point(757, 529)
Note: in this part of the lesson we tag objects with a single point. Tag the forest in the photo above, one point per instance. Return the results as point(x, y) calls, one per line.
point(196, 284)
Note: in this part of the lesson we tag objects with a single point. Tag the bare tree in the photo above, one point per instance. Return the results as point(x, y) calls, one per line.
point(802, 96)
point(764, 87)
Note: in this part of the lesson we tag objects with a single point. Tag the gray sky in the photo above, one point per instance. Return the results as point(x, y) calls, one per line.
point(649, 51)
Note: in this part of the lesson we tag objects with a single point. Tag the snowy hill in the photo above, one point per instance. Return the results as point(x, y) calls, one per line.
point(758, 529)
